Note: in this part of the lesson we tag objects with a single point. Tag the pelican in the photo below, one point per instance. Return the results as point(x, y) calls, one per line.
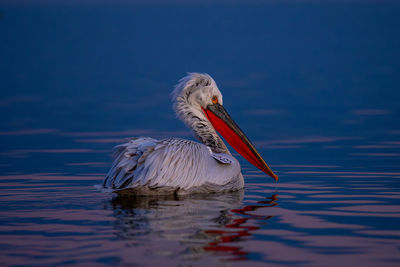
point(146, 166)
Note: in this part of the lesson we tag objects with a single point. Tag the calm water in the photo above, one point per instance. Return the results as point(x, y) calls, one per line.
point(315, 86)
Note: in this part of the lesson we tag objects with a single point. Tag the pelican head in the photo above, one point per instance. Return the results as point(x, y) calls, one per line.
point(198, 102)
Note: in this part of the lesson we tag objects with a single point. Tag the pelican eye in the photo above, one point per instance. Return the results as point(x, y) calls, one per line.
point(214, 99)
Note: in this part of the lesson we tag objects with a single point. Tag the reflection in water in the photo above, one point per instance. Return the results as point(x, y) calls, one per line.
point(237, 229)
point(202, 223)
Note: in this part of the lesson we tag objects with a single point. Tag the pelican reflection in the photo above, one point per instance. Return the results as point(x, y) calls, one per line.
point(196, 225)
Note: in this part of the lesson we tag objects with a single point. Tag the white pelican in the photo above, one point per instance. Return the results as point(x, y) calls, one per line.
point(147, 166)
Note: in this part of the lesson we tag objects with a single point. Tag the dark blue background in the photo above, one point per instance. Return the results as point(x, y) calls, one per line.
point(112, 65)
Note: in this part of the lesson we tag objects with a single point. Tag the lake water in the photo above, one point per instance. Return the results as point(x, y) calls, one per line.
point(315, 86)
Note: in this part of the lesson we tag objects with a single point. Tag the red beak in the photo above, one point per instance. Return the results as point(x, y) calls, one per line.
point(227, 127)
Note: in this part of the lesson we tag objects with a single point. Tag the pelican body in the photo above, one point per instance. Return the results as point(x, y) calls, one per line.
point(146, 166)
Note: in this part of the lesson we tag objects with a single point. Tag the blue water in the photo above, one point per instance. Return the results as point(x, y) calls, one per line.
point(315, 86)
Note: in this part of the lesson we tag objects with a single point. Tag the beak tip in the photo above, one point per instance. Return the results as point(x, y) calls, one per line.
point(269, 172)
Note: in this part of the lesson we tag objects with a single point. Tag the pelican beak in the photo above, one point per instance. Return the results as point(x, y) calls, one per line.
point(227, 127)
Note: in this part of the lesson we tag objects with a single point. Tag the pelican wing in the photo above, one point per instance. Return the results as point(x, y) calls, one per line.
point(170, 163)
point(127, 157)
